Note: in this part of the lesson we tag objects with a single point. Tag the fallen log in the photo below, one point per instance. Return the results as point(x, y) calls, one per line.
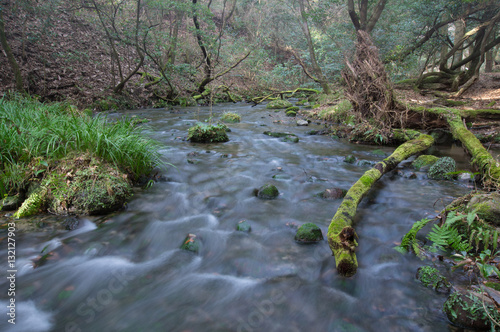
point(341, 234)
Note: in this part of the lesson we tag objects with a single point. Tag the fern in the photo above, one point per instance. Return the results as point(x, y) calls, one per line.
point(409, 240)
point(447, 237)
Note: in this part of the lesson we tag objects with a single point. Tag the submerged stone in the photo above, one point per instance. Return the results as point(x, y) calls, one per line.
point(333, 193)
point(268, 191)
point(350, 159)
point(191, 243)
point(290, 138)
point(291, 113)
point(243, 226)
point(308, 233)
point(441, 169)
point(277, 134)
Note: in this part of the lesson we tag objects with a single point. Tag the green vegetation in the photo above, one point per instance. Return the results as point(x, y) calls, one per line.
point(208, 133)
point(37, 139)
point(430, 276)
point(442, 168)
point(279, 104)
point(230, 117)
point(308, 233)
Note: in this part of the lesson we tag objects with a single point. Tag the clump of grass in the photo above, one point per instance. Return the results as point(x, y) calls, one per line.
point(30, 130)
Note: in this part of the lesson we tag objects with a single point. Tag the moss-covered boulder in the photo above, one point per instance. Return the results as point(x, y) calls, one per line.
point(430, 277)
point(290, 138)
point(268, 191)
point(279, 104)
point(441, 169)
point(292, 109)
point(191, 243)
point(204, 133)
point(487, 207)
point(466, 309)
point(308, 233)
point(291, 114)
point(230, 117)
point(424, 161)
point(350, 159)
point(243, 226)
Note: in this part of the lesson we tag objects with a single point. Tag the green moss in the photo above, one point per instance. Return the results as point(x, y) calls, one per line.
point(230, 117)
point(424, 160)
point(291, 113)
point(441, 169)
point(268, 191)
point(191, 243)
point(468, 310)
point(291, 138)
point(203, 133)
point(494, 285)
point(279, 104)
point(308, 233)
point(292, 108)
point(277, 134)
point(350, 159)
point(243, 226)
point(430, 277)
point(493, 103)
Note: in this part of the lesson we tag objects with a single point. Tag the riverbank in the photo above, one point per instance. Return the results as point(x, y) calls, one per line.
point(55, 158)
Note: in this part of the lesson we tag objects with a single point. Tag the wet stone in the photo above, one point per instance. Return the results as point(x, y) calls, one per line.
point(191, 243)
point(243, 226)
point(268, 191)
point(308, 233)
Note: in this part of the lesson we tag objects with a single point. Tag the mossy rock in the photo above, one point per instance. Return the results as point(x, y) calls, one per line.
point(268, 191)
point(430, 277)
point(291, 138)
point(487, 207)
point(191, 243)
point(465, 309)
point(11, 203)
point(279, 104)
point(291, 114)
point(277, 134)
point(292, 108)
point(230, 117)
point(441, 169)
point(424, 161)
point(243, 226)
point(350, 159)
point(308, 233)
point(203, 133)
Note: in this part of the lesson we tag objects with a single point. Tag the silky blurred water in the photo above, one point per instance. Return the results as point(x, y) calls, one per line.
point(129, 274)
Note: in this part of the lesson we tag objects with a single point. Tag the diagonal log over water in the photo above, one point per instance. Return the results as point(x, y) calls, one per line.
point(341, 234)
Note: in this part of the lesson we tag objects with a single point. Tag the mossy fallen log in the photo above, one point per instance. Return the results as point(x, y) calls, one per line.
point(341, 234)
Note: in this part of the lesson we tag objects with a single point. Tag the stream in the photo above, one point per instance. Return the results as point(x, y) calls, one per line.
point(128, 273)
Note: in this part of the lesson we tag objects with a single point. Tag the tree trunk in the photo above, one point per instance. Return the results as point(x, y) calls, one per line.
point(459, 34)
point(321, 79)
point(341, 235)
point(10, 56)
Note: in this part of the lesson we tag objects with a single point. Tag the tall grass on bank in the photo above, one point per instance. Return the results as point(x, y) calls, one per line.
point(30, 130)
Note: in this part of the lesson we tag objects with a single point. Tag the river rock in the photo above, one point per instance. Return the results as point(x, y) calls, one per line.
point(11, 203)
point(243, 226)
point(350, 159)
point(430, 277)
point(441, 168)
point(487, 207)
point(279, 104)
point(424, 161)
point(268, 191)
point(333, 193)
point(191, 243)
point(290, 138)
point(308, 233)
point(302, 122)
point(464, 308)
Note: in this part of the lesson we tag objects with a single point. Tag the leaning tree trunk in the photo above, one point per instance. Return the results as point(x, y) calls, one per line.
point(341, 234)
point(368, 86)
point(10, 56)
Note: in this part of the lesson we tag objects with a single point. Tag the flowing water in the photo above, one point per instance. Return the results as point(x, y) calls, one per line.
point(128, 273)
